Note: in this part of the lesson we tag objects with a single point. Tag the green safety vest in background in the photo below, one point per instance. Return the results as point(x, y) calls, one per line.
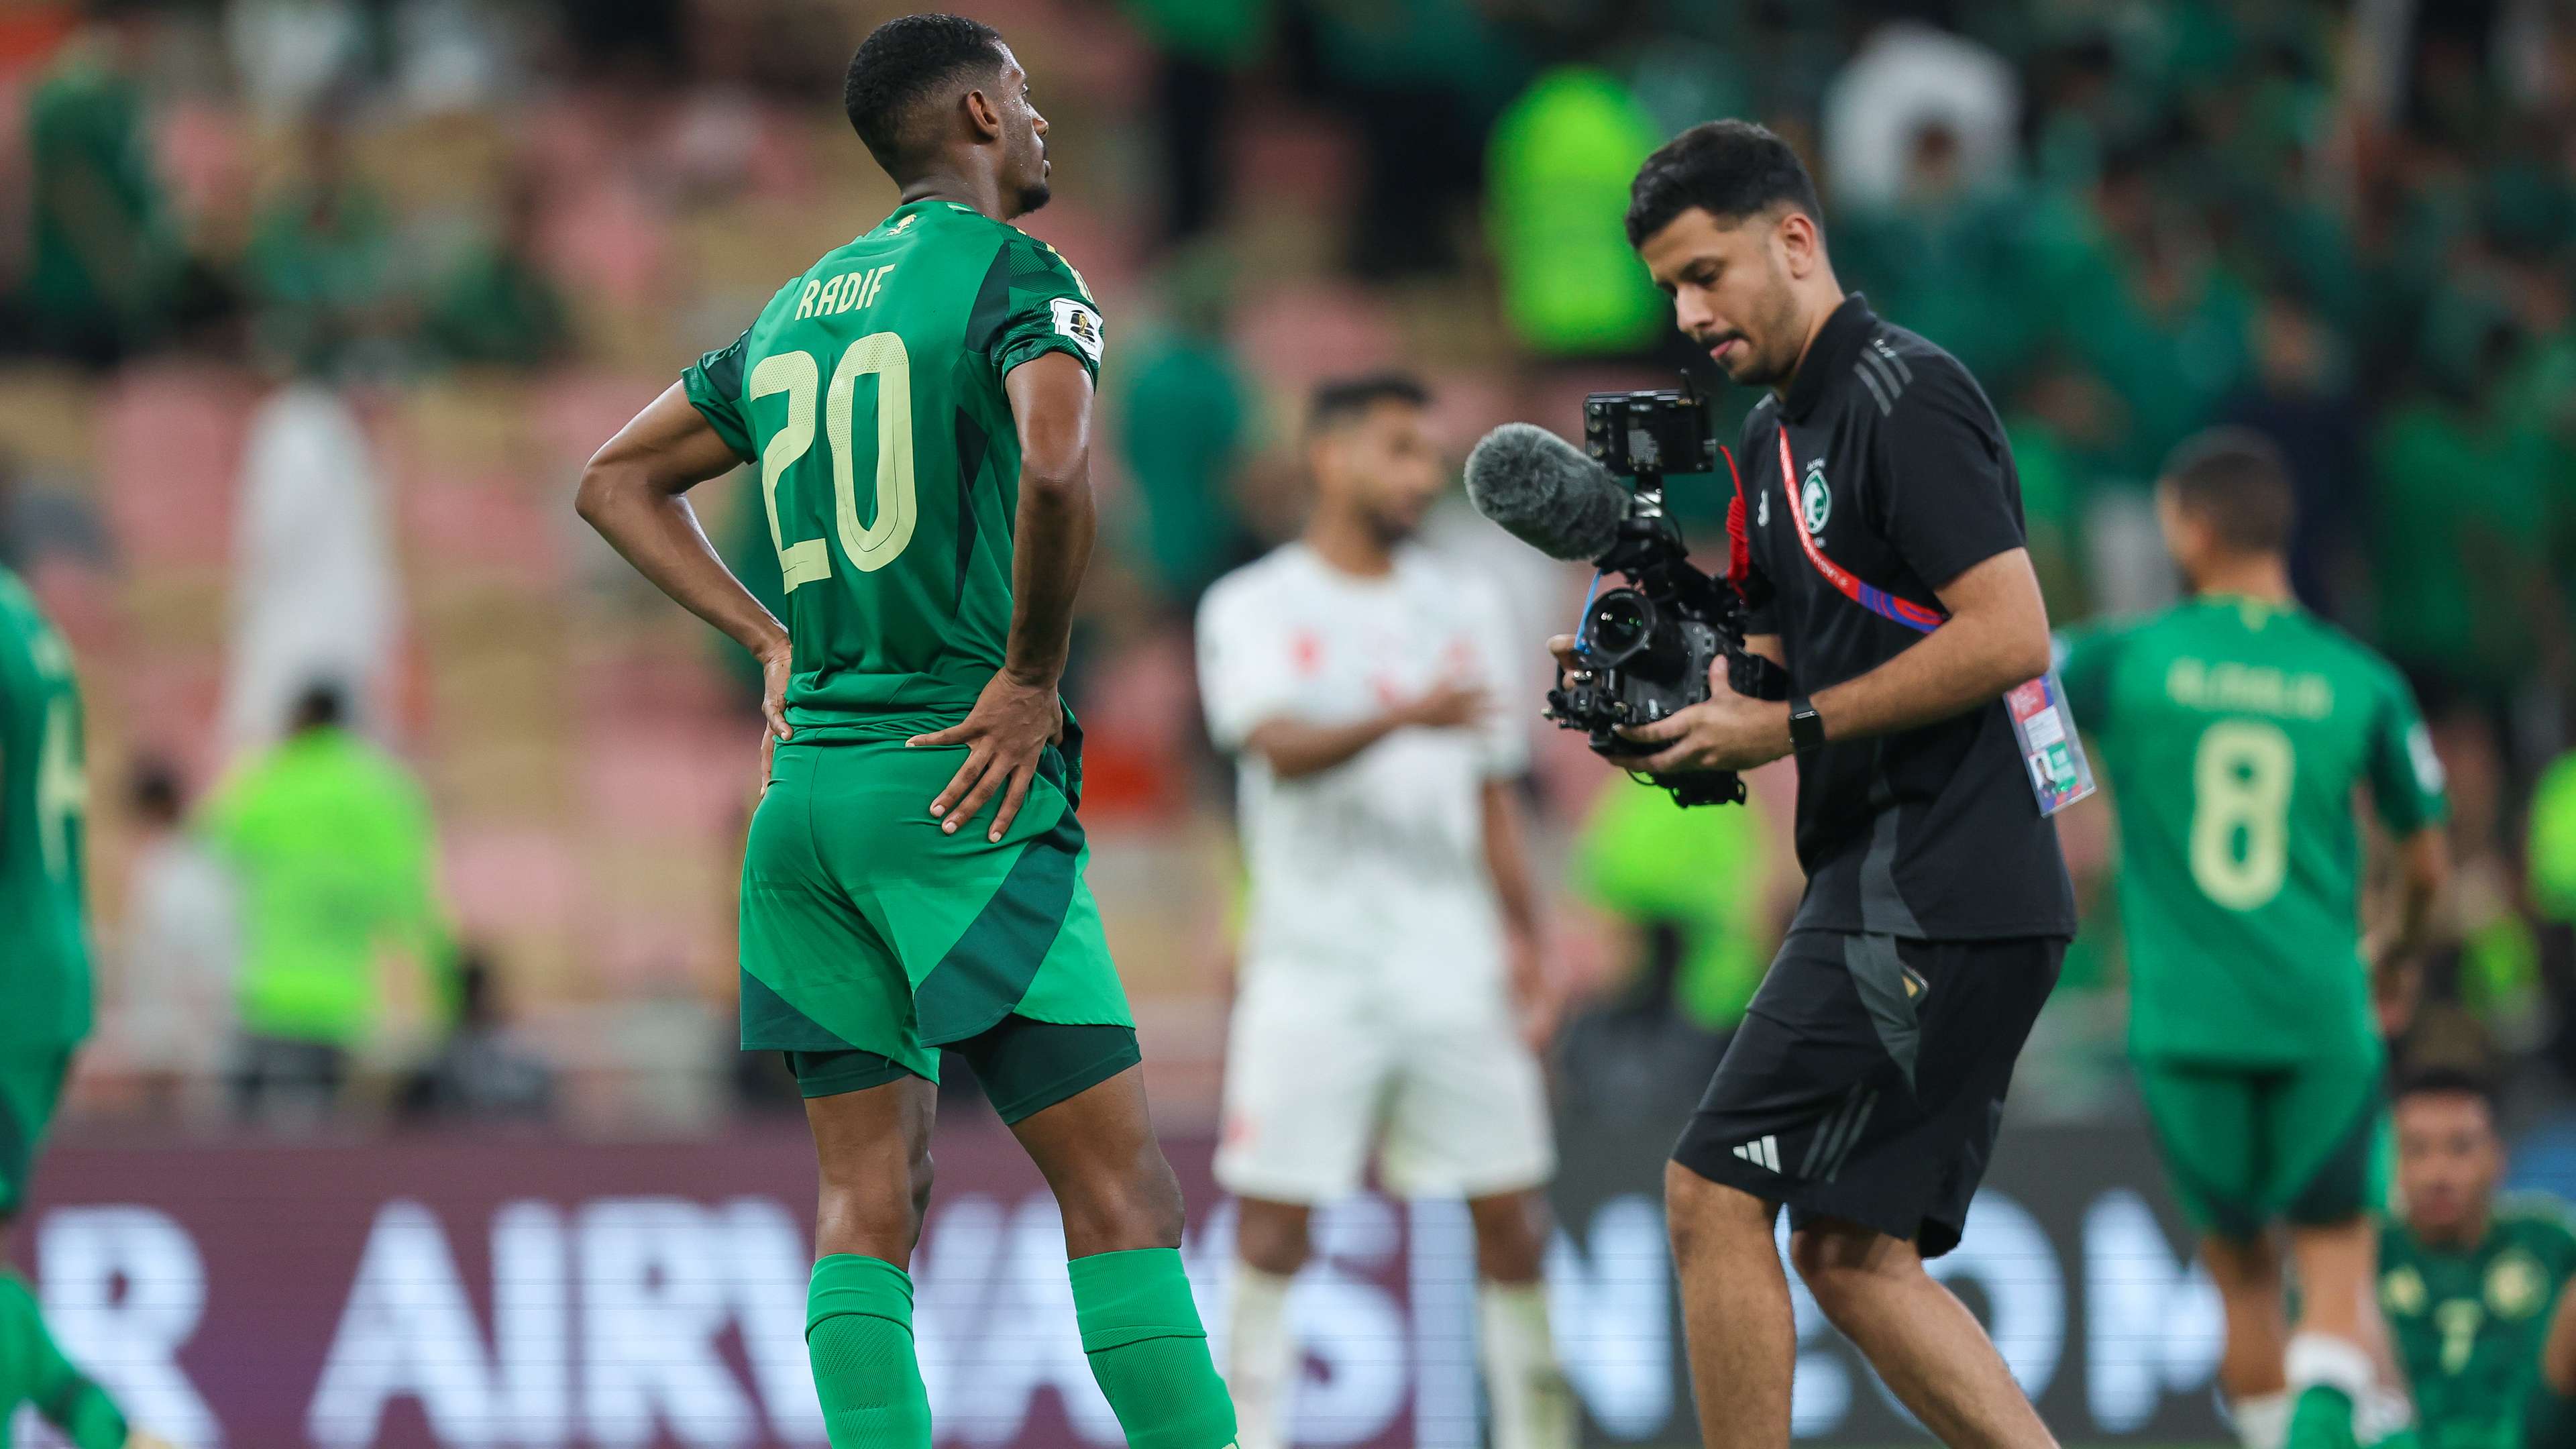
point(1560, 162)
point(331, 843)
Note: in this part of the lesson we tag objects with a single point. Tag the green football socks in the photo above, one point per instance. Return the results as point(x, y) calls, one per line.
point(34, 1371)
point(1148, 1351)
point(858, 1331)
point(2322, 1419)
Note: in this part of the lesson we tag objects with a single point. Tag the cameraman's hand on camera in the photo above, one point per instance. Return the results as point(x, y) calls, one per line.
point(1726, 731)
point(1569, 665)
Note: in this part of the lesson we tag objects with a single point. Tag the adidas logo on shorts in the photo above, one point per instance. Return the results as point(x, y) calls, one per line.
point(1763, 1152)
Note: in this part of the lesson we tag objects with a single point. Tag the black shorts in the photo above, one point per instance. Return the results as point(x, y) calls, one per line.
point(1867, 1081)
point(1025, 1066)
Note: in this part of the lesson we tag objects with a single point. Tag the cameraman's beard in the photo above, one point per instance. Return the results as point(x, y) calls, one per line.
point(1779, 327)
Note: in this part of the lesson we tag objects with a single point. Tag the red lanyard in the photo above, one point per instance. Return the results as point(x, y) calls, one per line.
point(1869, 596)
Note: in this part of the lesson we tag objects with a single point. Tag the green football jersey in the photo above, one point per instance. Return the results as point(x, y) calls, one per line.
point(869, 392)
point(44, 794)
point(2468, 1324)
point(2234, 734)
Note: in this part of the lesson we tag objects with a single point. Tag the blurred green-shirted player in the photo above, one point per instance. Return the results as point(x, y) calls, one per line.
point(2235, 729)
point(44, 980)
point(918, 407)
point(2468, 1281)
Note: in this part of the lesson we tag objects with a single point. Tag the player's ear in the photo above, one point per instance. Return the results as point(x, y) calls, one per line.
point(983, 115)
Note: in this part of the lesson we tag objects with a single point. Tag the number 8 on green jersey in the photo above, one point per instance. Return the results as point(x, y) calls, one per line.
point(2234, 733)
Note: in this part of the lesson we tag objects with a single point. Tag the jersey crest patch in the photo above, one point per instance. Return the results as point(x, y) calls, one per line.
point(1080, 323)
point(1815, 499)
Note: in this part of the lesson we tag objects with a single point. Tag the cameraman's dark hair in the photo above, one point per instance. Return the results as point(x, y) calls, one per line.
point(899, 65)
point(2446, 1081)
point(1729, 169)
point(1340, 400)
point(2236, 479)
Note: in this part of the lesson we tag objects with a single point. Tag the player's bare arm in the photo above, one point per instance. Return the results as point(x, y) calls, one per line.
point(1295, 748)
point(2423, 870)
point(1996, 637)
point(634, 492)
point(1018, 715)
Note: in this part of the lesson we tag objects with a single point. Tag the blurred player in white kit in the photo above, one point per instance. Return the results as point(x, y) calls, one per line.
point(1391, 943)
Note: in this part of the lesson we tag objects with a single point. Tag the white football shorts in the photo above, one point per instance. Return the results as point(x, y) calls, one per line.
point(1322, 1065)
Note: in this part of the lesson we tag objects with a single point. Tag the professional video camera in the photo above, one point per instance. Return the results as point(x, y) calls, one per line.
point(1648, 645)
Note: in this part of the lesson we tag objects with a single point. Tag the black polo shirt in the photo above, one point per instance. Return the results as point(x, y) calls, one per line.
point(1906, 481)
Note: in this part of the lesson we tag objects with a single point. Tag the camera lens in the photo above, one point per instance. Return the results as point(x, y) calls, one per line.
point(1622, 622)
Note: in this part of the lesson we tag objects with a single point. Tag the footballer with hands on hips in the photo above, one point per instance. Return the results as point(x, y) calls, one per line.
point(918, 403)
point(1390, 947)
point(1882, 553)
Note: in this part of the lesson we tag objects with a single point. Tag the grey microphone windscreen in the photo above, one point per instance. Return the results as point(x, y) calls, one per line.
point(1545, 492)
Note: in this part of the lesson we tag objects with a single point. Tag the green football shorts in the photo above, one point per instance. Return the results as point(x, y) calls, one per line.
point(2248, 1147)
point(867, 929)
point(31, 1082)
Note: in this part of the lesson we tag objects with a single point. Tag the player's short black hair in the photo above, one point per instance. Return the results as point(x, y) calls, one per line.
point(2237, 480)
point(899, 65)
point(1729, 169)
point(1342, 399)
point(2446, 1081)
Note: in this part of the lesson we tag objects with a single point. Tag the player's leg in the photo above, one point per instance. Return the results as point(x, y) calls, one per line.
point(1003, 949)
point(1467, 1117)
point(1122, 1233)
point(820, 984)
point(871, 1124)
point(2323, 1126)
point(33, 1369)
point(2332, 1361)
point(2252, 1295)
point(1306, 1064)
point(1533, 1406)
point(2207, 1121)
point(1270, 1244)
point(1894, 1184)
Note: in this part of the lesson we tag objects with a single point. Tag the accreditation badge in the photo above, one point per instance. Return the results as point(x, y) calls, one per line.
point(2045, 730)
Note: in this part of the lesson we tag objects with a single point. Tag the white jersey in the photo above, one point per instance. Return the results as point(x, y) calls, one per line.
point(1378, 864)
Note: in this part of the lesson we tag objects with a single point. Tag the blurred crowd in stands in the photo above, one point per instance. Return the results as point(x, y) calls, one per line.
point(309, 310)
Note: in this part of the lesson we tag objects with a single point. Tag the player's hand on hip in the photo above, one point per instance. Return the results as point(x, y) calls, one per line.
point(1010, 726)
point(776, 664)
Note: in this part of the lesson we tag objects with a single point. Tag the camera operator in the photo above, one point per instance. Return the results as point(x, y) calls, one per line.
point(1881, 545)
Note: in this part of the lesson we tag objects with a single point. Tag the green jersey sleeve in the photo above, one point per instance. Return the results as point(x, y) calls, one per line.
point(1048, 309)
point(714, 386)
point(2405, 775)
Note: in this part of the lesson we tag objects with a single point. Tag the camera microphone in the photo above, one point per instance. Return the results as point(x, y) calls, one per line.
point(1545, 492)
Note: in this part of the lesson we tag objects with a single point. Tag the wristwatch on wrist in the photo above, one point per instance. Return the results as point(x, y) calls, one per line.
point(1806, 727)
